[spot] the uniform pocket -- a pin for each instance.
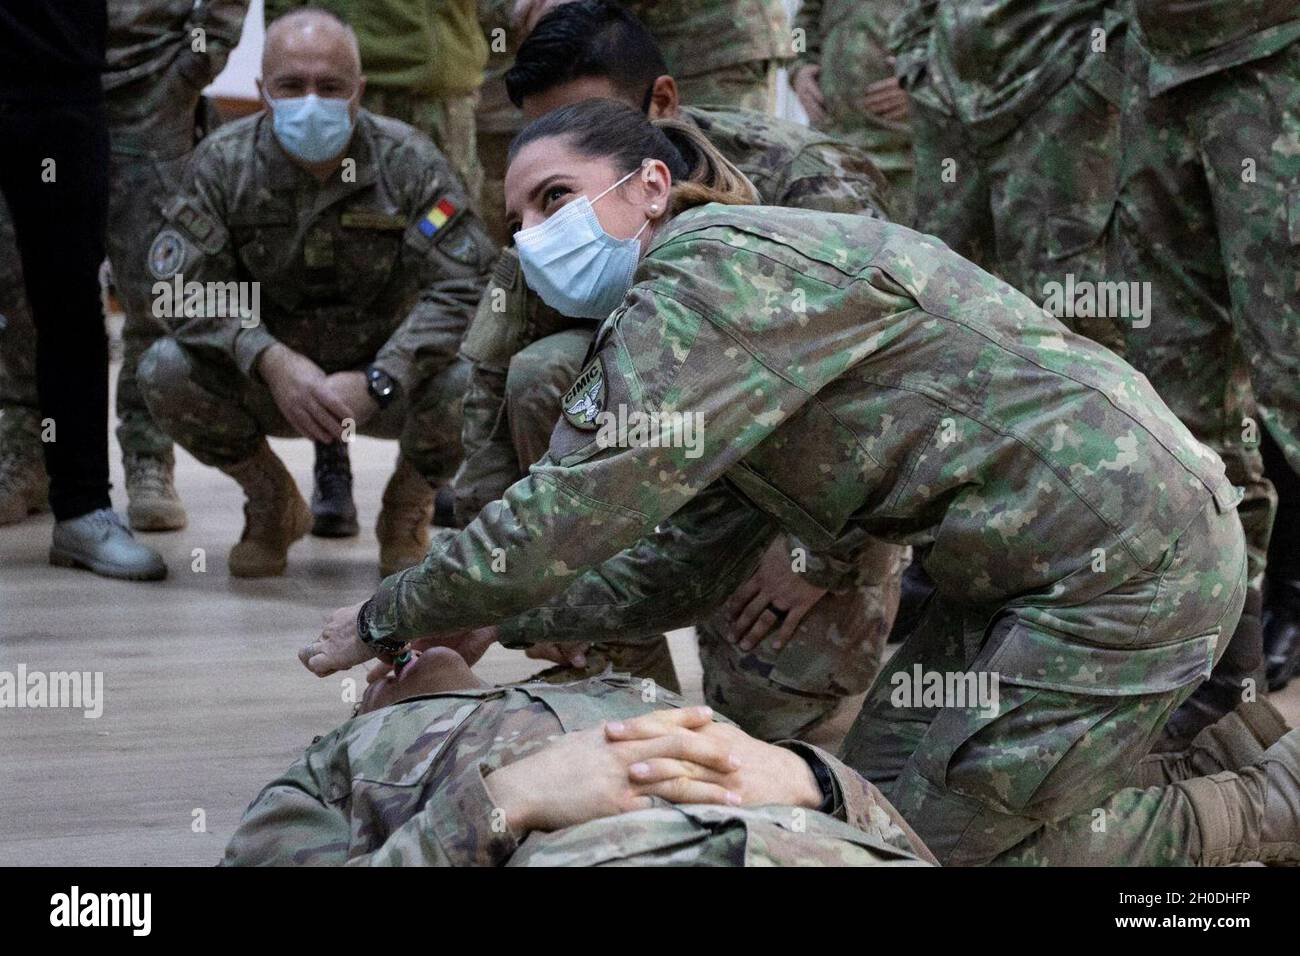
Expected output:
(1072, 720)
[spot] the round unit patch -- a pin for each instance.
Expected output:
(167, 254)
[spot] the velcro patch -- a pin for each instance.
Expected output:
(585, 400)
(368, 219)
(205, 232)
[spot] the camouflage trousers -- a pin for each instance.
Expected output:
(221, 416)
(448, 121)
(1209, 218)
(1040, 772)
(747, 86)
(837, 649)
(1033, 206)
(152, 130)
(405, 785)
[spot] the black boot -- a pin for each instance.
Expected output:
(444, 508)
(331, 499)
(916, 591)
(1282, 632)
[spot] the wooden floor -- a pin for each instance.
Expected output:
(204, 699)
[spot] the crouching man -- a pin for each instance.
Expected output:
(318, 267)
(442, 770)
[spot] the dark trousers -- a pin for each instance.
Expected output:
(54, 176)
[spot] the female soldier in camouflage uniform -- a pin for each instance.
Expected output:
(854, 377)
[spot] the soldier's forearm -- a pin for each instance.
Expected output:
(672, 579)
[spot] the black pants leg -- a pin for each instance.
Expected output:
(54, 176)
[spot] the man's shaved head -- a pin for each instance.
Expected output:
(310, 34)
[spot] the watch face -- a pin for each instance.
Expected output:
(381, 385)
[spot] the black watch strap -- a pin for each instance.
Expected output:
(384, 645)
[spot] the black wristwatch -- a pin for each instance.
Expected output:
(382, 386)
(385, 645)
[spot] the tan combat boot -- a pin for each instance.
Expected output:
(403, 525)
(154, 504)
(24, 486)
(275, 516)
(1235, 741)
(1252, 815)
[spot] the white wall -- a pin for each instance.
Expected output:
(245, 63)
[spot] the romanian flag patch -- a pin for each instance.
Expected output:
(437, 217)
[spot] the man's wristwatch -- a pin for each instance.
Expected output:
(382, 387)
(385, 645)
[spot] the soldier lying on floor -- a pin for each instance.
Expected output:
(439, 769)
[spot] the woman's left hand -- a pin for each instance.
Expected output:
(339, 646)
(772, 602)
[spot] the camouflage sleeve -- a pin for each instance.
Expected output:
(661, 370)
(490, 464)
(860, 804)
(454, 255)
(194, 246)
(808, 28)
(909, 41)
(839, 567)
(459, 825)
(223, 22)
(835, 177)
(669, 579)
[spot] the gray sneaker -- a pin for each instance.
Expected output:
(99, 542)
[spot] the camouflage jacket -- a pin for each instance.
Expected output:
(434, 48)
(849, 40)
(385, 268)
(844, 376)
(993, 64)
(699, 36)
(1188, 41)
(406, 785)
(145, 37)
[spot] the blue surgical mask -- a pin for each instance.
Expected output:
(578, 268)
(312, 128)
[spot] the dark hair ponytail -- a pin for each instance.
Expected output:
(608, 129)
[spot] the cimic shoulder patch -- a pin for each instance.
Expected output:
(585, 399)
